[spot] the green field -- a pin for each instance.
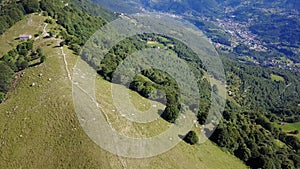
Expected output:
(40, 129)
(289, 127)
(277, 78)
(155, 44)
(31, 25)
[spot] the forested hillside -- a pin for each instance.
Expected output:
(39, 128)
(263, 98)
(259, 98)
(249, 129)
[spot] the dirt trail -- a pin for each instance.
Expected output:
(66, 63)
(44, 34)
(45, 31)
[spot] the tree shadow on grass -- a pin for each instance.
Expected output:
(181, 136)
(162, 115)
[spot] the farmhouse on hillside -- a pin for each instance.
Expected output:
(24, 37)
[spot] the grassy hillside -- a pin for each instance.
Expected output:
(277, 78)
(31, 25)
(291, 127)
(39, 127)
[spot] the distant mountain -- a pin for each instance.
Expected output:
(272, 24)
(214, 6)
(196, 7)
(120, 6)
(206, 7)
(203, 7)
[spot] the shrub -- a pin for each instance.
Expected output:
(43, 59)
(6, 77)
(171, 113)
(2, 96)
(191, 138)
(48, 20)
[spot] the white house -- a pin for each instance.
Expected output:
(25, 37)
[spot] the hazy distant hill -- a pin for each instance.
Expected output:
(274, 24)
(214, 6)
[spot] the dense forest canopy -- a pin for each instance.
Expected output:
(248, 129)
(6, 78)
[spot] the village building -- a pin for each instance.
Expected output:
(24, 37)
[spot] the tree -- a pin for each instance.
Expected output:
(171, 113)
(2, 96)
(191, 138)
(31, 6)
(23, 52)
(39, 51)
(24, 64)
(243, 152)
(43, 59)
(62, 43)
(29, 44)
(215, 89)
(16, 14)
(13, 53)
(6, 77)
(296, 160)
(293, 141)
(48, 20)
(3, 24)
(51, 33)
(76, 48)
(146, 92)
(201, 116)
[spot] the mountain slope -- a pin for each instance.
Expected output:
(235, 24)
(39, 127)
(38, 116)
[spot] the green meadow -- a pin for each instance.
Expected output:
(40, 129)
